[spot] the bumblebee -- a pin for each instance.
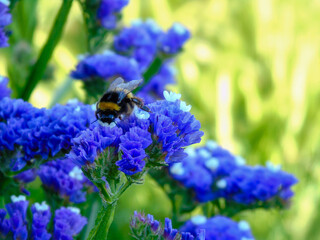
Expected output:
(118, 101)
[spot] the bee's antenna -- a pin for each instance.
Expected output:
(117, 125)
(95, 120)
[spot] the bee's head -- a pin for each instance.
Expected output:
(107, 118)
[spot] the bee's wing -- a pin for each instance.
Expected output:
(130, 86)
(115, 84)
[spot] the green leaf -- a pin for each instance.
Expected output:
(39, 68)
(103, 222)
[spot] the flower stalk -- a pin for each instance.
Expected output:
(39, 68)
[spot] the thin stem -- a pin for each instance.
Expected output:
(150, 72)
(174, 210)
(47, 51)
(122, 189)
(103, 192)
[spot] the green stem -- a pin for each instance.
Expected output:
(174, 210)
(151, 71)
(122, 189)
(103, 222)
(47, 51)
(105, 195)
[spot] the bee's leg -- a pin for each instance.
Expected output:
(96, 113)
(139, 103)
(145, 108)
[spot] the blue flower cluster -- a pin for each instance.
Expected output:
(133, 145)
(64, 178)
(173, 40)
(28, 132)
(143, 138)
(41, 217)
(218, 228)
(145, 227)
(212, 172)
(4, 90)
(105, 66)
(144, 41)
(5, 19)
(108, 12)
(136, 48)
(67, 221)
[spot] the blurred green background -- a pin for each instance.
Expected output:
(251, 72)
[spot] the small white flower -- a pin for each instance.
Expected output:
(111, 125)
(141, 114)
(171, 96)
(198, 219)
(41, 207)
(240, 161)
(74, 209)
(5, 2)
(204, 153)
(273, 167)
(18, 199)
(77, 109)
(221, 184)
(177, 169)
(94, 107)
(190, 151)
(179, 28)
(212, 163)
(212, 145)
(243, 225)
(81, 57)
(136, 22)
(76, 173)
(73, 101)
(1, 77)
(184, 107)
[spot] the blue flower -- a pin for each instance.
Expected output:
(28, 132)
(173, 41)
(145, 227)
(27, 176)
(132, 146)
(212, 172)
(249, 185)
(218, 227)
(139, 41)
(4, 223)
(144, 41)
(17, 108)
(4, 90)
(108, 11)
(17, 211)
(67, 223)
(5, 19)
(158, 137)
(64, 178)
(41, 216)
(91, 142)
(106, 66)
(186, 124)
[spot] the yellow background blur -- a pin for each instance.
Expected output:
(251, 72)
